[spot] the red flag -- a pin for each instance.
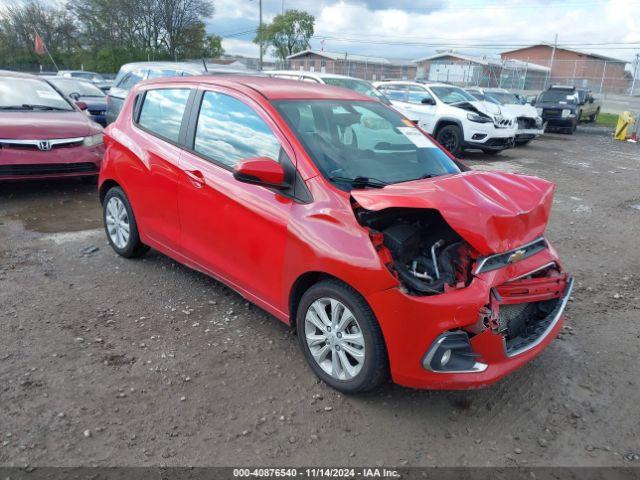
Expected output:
(39, 45)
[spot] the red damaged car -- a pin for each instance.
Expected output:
(42, 134)
(341, 218)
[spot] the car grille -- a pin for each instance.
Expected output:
(526, 122)
(47, 168)
(499, 142)
(552, 112)
(524, 323)
(500, 260)
(501, 122)
(53, 144)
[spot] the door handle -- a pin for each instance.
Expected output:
(195, 177)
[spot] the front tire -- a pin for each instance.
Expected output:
(120, 225)
(450, 137)
(341, 338)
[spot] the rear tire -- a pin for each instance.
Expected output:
(120, 225)
(450, 137)
(328, 313)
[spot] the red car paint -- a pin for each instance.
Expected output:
(261, 243)
(19, 162)
(509, 210)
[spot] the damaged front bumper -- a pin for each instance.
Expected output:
(472, 337)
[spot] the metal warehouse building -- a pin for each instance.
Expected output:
(468, 70)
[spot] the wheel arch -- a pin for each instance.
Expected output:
(303, 283)
(105, 187)
(446, 121)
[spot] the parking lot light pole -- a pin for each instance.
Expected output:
(260, 33)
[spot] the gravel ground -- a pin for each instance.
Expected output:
(107, 361)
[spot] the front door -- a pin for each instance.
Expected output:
(234, 230)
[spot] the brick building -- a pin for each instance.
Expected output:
(359, 66)
(572, 67)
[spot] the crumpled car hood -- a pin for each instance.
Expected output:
(493, 211)
(521, 110)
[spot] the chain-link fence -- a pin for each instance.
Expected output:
(599, 76)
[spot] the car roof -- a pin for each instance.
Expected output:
(409, 82)
(77, 71)
(194, 67)
(12, 74)
(305, 73)
(269, 87)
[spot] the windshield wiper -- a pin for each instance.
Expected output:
(31, 106)
(34, 106)
(361, 182)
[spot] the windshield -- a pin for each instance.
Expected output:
(504, 98)
(363, 140)
(83, 89)
(359, 86)
(451, 95)
(559, 96)
(30, 94)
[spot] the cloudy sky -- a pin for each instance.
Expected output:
(417, 28)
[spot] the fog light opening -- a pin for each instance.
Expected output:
(452, 353)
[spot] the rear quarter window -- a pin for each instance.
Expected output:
(162, 112)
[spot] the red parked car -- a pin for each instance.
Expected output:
(341, 218)
(42, 134)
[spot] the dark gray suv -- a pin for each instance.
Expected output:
(132, 73)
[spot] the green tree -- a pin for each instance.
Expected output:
(213, 46)
(288, 33)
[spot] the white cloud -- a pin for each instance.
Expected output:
(452, 21)
(245, 48)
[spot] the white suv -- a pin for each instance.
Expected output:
(350, 83)
(455, 118)
(530, 124)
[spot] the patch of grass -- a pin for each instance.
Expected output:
(607, 119)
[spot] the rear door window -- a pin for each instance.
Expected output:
(162, 112)
(229, 131)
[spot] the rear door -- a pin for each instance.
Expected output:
(159, 128)
(234, 230)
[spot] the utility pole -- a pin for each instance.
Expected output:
(635, 73)
(260, 35)
(553, 55)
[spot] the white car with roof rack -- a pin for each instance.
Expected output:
(343, 81)
(530, 123)
(454, 117)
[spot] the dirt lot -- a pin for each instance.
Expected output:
(107, 361)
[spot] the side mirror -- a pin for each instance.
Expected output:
(74, 96)
(261, 171)
(428, 101)
(82, 105)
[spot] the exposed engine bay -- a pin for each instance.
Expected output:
(426, 255)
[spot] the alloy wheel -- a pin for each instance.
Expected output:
(117, 220)
(448, 141)
(334, 338)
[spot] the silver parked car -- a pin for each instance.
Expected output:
(132, 73)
